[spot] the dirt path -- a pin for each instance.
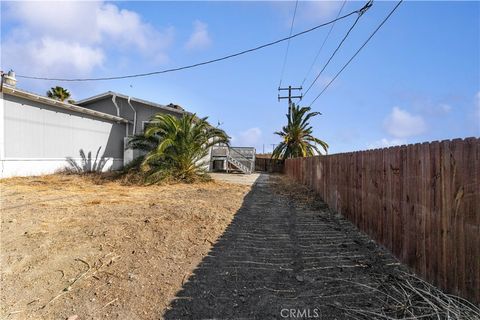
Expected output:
(236, 178)
(279, 259)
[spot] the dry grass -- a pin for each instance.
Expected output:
(401, 295)
(405, 296)
(92, 246)
(298, 193)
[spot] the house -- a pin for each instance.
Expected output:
(137, 111)
(39, 135)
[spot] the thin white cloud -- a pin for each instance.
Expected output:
(445, 108)
(74, 37)
(308, 12)
(126, 28)
(477, 103)
(385, 143)
(319, 11)
(200, 38)
(477, 112)
(47, 54)
(73, 20)
(249, 138)
(322, 81)
(434, 109)
(401, 124)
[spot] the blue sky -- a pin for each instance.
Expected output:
(417, 80)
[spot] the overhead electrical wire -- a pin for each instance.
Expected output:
(288, 44)
(321, 47)
(195, 64)
(357, 52)
(360, 14)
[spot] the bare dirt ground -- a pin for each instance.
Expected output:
(70, 246)
(237, 178)
(73, 247)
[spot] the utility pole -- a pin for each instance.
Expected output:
(289, 97)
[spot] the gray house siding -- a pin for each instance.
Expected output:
(104, 105)
(125, 109)
(38, 139)
(144, 111)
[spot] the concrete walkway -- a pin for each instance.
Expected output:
(278, 260)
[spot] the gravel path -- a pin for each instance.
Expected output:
(281, 259)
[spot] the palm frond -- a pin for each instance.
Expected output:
(58, 93)
(176, 147)
(297, 135)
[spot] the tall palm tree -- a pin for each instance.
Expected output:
(297, 139)
(58, 93)
(176, 148)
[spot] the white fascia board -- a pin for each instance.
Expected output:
(59, 104)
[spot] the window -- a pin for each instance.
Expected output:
(145, 125)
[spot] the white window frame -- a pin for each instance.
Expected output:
(144, 124)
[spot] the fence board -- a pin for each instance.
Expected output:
(269, 165)
(420, 201)
(436, 246)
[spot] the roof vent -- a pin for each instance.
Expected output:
(175, 106)
(10, 78)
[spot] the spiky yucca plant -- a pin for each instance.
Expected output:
(176, 148)
(297, 138)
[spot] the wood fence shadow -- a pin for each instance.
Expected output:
(276, 258)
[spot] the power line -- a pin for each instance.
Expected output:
(360, 13)
(356, 53)
(196, 64)
(288, 44)
(323, 44)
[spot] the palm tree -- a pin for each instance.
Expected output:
(176, 148)
(59, 93)
(297, 139)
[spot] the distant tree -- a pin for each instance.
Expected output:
(59, 93)
(175, 148)
(297, 138)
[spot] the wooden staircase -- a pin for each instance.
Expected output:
(240, 158)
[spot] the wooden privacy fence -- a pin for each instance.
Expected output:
(268, 165)
(420, 201)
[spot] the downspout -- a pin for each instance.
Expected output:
(134, 115)
(114, 100)
(1, 83)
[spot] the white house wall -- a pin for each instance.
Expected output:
(38, 139)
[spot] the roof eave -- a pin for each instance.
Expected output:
(59, 104)
(108, 94)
